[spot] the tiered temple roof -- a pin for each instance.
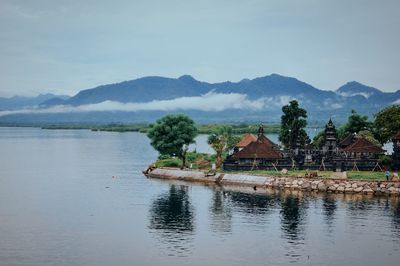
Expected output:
(347, 141)
(330, 130)
(246, 140)
(258, 149)
(261, 147)
(363, 145)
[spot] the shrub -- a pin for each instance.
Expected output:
(171, 162)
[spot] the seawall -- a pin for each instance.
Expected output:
(391, 188)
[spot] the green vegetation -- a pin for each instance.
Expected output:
(293, 123)
(356, 124)
(94, 127)
(222, 141)
(196, 160)
(351, 175)
(290, 173)
(365, 175)
(238, 129)
(172, 134)
(387, 123)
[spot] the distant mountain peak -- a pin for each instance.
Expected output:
(187, 78)
(354, 88)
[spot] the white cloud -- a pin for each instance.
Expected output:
(351, 94)
(210, 101)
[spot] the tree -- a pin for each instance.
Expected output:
(319, 139)
(366, 134)
(387, 123)
(172, 134)
(293, 125)
(355, 124)
(222, 141)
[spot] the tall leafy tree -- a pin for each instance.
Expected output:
(355, 124)
(222, 141)
(172, 134)
(387, 123)
(293, 123)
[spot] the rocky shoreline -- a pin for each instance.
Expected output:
(326, 185)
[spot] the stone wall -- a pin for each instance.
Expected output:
(287, 183)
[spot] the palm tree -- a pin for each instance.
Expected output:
(222, 141)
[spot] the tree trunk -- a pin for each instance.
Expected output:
(183, 161)
(219, 160)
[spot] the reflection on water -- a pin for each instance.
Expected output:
(172, 219)
(329, 207)
(293, 211)
(254, 205)
(59, 205)
(221, 212)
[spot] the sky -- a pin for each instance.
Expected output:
(66, 46)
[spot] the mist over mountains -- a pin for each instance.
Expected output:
(18, 102)
(145, 99)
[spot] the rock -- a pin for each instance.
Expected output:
(331, 188)
(348, 189)
(284, 171)
(321, 186)
(368, 190)
(340, 189)
(358, 189)
(354, 185)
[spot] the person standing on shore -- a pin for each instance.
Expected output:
(387, 174)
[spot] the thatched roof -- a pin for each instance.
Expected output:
(263, 138)
(363, 145)
(261, 148)
(348, 140)
(246, 140)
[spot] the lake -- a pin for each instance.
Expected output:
(76, 197)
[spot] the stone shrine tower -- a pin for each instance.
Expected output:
(330, 146)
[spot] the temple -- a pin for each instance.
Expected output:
(352, 153)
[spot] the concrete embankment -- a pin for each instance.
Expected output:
(288, 183)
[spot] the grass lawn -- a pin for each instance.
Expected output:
(351, 175)
(203, 161)
(367, 175)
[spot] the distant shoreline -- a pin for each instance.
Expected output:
(144, 127)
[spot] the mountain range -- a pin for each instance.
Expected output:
(147, 98)
(18, 102)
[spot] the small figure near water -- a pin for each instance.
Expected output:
(387, 174)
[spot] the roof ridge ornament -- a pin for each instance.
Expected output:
(260, 130)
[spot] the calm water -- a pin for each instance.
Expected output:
(59, 205)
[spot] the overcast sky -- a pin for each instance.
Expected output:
(65, 46)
